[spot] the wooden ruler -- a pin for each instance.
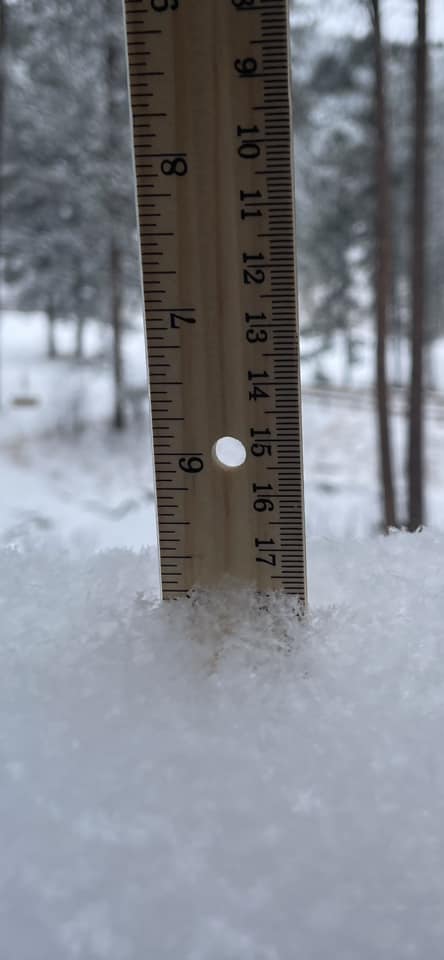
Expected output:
(209, 86)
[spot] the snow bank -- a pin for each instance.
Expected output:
(215, 780)
(63, 395)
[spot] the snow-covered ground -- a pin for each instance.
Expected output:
(210, 780)
(41, 395)
(216, 780)
(64, 473)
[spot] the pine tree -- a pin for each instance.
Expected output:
(69, 191)
(340, 181)
(44, 225)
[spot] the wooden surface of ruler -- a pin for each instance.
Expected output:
(209, 82)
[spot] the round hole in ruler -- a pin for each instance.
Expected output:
(229, 453)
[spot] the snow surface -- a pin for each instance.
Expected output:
(64, 473)
(67, 395)
(216, 780)
(62, 470)
(213, 780)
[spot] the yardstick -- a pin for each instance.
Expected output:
(209, 84)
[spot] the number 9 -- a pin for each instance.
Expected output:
(191, 464)
(161, 5)
(246, 67)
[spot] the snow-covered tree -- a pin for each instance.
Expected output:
(70, 194)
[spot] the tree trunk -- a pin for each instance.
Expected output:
(119, 420)
(382, 276)
(79, 308)
(348, 358)
(51, 348)
(80, 330)
(415, 466)
(115, 277)
(3, 26)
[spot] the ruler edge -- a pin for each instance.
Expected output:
(150, 443)
(303, 600)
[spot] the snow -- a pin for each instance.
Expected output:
(398, 20)
(63, 471)
(215, 779)
(64, 395)
(218, 780)
(94, 489)
(65, 474)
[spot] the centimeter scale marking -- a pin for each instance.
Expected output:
(209, 83)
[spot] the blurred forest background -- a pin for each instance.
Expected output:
(369, 136)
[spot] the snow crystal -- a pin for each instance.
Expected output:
(216, 779)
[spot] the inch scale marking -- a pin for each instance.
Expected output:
(209, 83)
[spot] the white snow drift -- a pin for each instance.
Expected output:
(215, 780)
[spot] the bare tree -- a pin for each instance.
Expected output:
(383, 268)
(415, 465)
